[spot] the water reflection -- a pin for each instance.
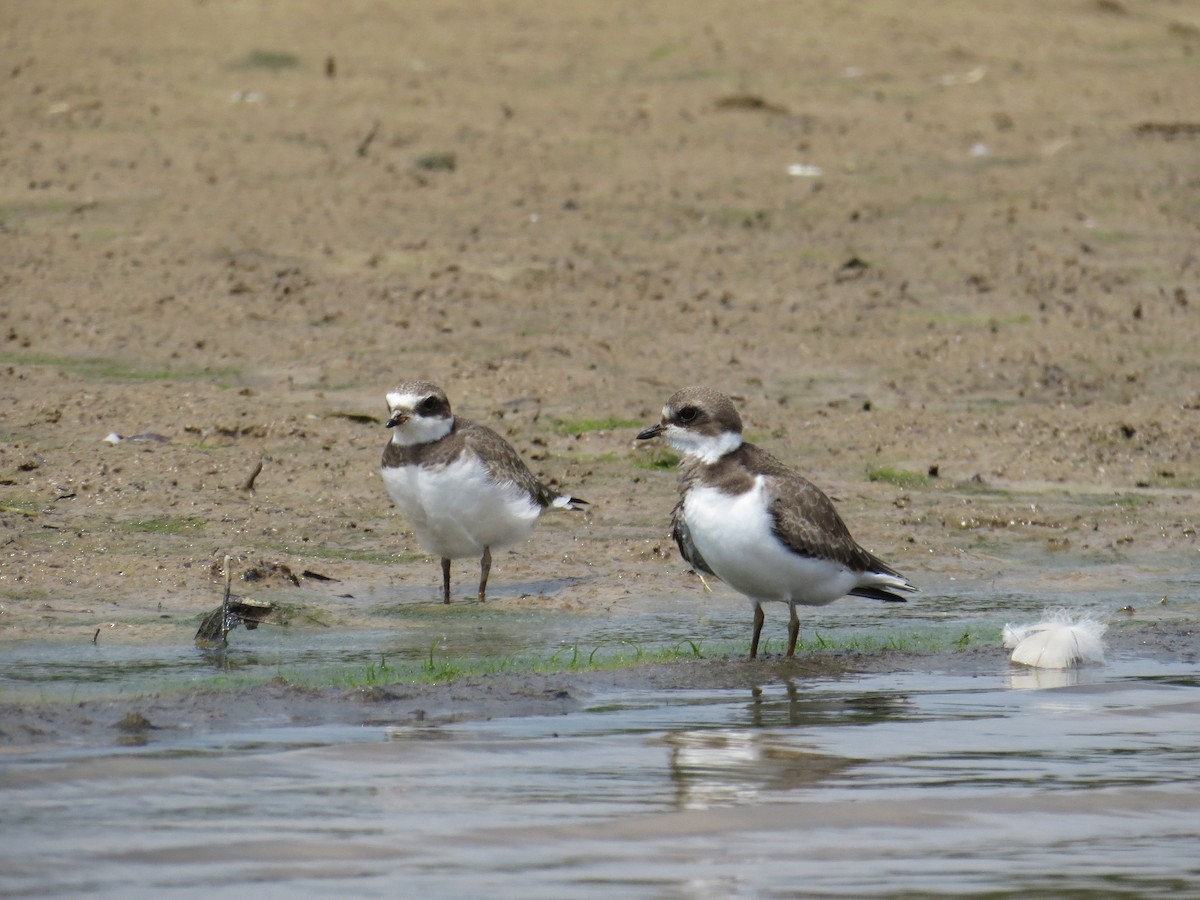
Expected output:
(801, 707)
(720, 767)
(1031, 679)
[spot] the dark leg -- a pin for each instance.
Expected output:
(793, 630)
(445, 580)
(485, 566)
(758, 623)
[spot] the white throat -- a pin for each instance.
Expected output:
(421, 431)
(708, 448)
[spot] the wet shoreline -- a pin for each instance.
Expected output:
(167, 717)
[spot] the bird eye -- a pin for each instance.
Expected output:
(688, 414)
(429, 404)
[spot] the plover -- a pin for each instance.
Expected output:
(462, 487)
(760, 527)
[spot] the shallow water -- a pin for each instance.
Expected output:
(1000, 780)
(955, 773)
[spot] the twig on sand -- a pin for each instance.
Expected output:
(365, 143)
(213, 633)
(248, 484)
(225, 599)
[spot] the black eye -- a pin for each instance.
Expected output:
(688, 414)
(429, 404)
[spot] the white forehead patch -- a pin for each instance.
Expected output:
(403, 401)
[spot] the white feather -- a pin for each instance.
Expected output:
(1059, 642)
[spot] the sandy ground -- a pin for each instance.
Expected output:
(945, 256)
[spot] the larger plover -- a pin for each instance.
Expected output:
(757, 525)
(462, 487)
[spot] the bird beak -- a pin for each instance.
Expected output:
(652, 432)
(397, 419)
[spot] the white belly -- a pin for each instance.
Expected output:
(733, 534)
(457, 511)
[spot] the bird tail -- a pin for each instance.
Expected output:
(878, 594)
(879, 583)
(575, 504)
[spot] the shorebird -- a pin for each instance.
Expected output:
(756, 524)
(462, 487)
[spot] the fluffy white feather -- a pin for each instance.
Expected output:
(1062, 640)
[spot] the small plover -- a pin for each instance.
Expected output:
(462, 487)
(760, 527)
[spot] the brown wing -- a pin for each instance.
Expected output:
(501, 460)
(806, 521)
(803, 517)
(683, 539)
